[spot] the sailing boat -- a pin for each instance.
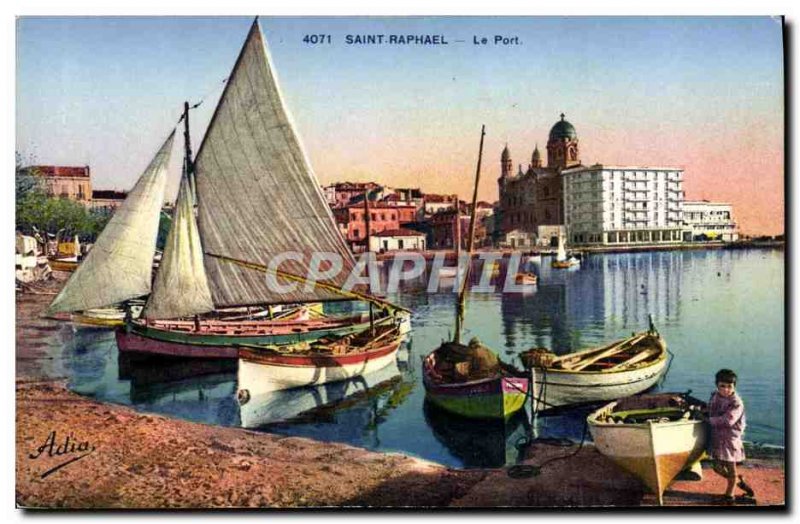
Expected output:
(561, 261)
(256, 197)
(469, 380)
(119, 266)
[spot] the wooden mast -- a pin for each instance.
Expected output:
(470, 239)
(366, 251)
(187, 161)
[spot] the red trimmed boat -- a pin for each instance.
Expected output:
(265, 369)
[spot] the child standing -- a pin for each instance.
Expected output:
(727, 419)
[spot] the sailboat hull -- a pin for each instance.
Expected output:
(261, 372)
(141, 338)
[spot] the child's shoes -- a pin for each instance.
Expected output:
(744, 486)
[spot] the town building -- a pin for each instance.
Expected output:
(533, 198)
(69, 182)
(107, 199)
(706, 220)
(443, 230)
(436, 203)
(623, 205)
(397, 240)
(352, 222)
(340, 194)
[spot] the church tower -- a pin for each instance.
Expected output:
(562, 146)
(505, 163)
(536, 160)
(505, 169)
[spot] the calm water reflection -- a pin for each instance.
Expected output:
(715, 309)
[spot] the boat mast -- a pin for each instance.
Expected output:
(470, 239)
(188, 168)
(366, 252)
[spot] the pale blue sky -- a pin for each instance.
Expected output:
(105, 91)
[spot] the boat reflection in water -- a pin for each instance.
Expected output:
(362, 401)
(478, 443)
(201, 390)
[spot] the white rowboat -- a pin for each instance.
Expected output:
(655, 437)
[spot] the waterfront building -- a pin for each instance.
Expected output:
(608, 205)
(710, 220)
(353, 225)
(397, 240)
(532, 198)
(69, 182)
(107, 199)
(443, 230)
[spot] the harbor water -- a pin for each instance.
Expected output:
(715, 308)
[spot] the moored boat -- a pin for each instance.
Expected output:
(291, 404)
(525, 279)
(66, 264)
(619, 369)
(214, 258)
(272, 368)
(219, 338)
(654, 437)
(470, 380)
(496, 392)
(562, 261)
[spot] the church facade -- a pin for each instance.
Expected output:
(531, 200)
(587, 205)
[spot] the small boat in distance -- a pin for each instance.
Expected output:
(655, 437)
(561, 261)
(526, 279)
(619, 369)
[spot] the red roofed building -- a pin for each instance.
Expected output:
(64, 181)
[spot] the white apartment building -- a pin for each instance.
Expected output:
(710, 220)
(617, 205)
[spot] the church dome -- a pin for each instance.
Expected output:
(563, 129)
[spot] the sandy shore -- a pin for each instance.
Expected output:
(126, 459)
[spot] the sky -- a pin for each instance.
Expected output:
(705, 94)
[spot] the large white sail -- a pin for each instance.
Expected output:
(257, 195)
(120, 264)
(181, 287)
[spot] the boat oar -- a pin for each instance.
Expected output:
(644, 355)
(581, 354)
(615, 349)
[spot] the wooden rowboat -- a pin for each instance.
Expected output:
(263, 369)
(620, 369)
(655, 437)
(497, 396)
